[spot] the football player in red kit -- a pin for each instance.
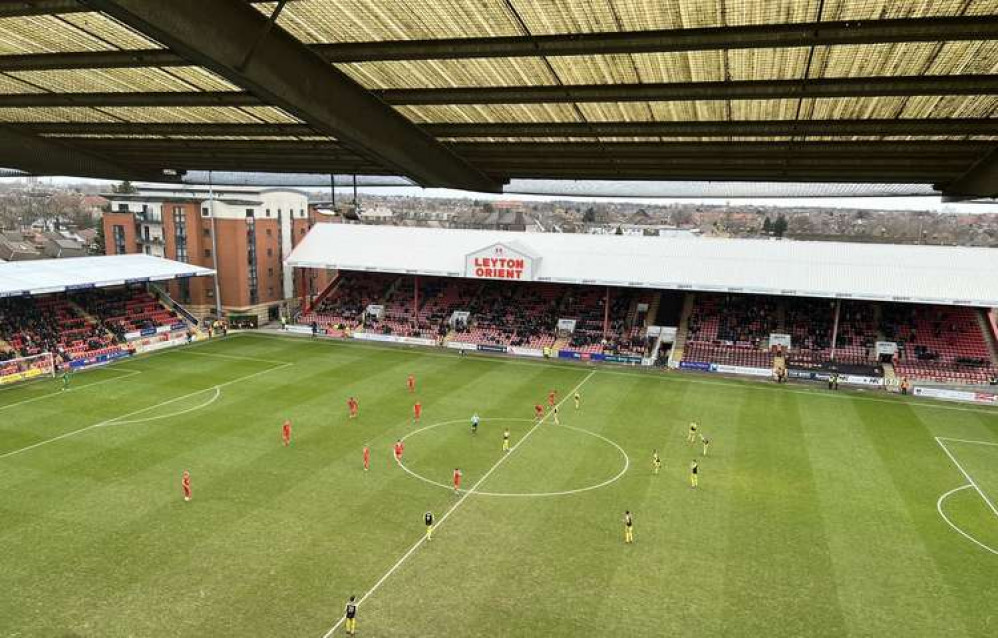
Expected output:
(367, 458)
(399, 449)
(286, 432)
(417, 411)
(353, 406)
(411, 383)
(552, 395)
(538, 411)
(185, 483)
(457, 480)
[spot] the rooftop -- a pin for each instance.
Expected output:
(922, 274)
(45, 276)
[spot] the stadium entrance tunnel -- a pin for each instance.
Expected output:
(557, 460)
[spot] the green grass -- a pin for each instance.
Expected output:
(816, 513)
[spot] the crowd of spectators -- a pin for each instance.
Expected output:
(938, 342)
(499, 313)
(734, 320)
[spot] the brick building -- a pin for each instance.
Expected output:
(256, 230)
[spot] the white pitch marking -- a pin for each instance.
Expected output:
(234, 357)
(967, 476)
(745, 385)
(131, 373)
(159, 417)
(454, 507)
(613, 479)
(947, 438)
(939, 508)
(139, 411)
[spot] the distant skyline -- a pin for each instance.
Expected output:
(929, 204)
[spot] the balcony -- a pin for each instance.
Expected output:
(149, 217)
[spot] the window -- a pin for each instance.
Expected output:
(118, 231)
(302, 231)
(205, 212)
(268, 213)
(249, 212)
(207, 253)
(270, 272)
(270, 252)
(207, 232)
(180, 232)
(254, 291)
(301, 212)
(270, 291)
(269, 232)
(122, 208)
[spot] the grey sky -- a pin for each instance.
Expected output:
(871, 203)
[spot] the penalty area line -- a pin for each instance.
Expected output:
(124, 417)
(966, 475)
(82, 386)
(456, 505)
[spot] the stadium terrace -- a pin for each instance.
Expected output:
(945, 275)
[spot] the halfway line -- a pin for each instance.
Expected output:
(454, 507)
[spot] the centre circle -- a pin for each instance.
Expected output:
(625, 466)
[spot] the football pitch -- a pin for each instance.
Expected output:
(817, 513)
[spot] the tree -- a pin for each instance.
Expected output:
(99, 240)
(589, 216)
(124, 188)
(620, 231)
(780, 226)
(767, 227)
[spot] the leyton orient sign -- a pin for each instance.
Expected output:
(500, 261)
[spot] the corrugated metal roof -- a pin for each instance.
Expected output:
(925, 274)
(327, 23)
(56, 275)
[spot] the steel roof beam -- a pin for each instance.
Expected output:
(742, 128)
(937, 29)
(763, 36)
(773, 128)
(163, 128)
(727, 175)
(980, 180)
(283, 72)
(671, 92)
(123, 98)
(23, 8)
(568, 150)
(43, 156)
(930, 149)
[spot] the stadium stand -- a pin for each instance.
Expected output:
(33, 325)
(731, 330)
(524, 315)
(84, 324)
(126, 310)
(939, 343)
(945, 344)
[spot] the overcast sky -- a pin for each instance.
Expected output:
(872, 203)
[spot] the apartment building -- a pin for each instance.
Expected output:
(255, 230)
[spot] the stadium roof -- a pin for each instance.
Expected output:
(44, 276)
(473, 93)
(917, 274)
